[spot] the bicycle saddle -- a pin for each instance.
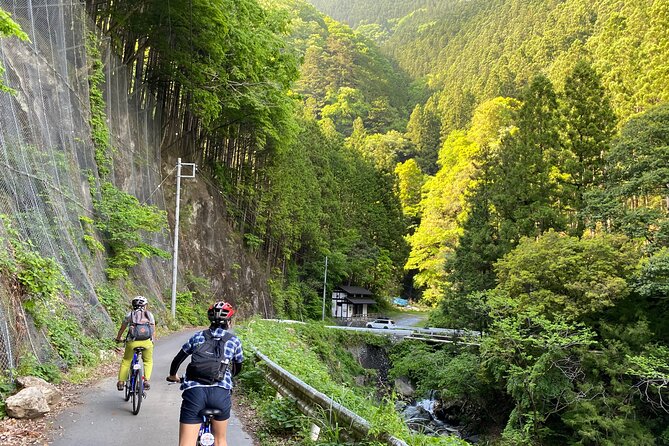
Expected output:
(209, 412)
(138, 349)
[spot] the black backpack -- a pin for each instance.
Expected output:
(208, 363)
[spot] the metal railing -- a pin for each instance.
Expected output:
(317, 405)
(438, 335)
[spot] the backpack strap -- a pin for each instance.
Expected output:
(208, 336)
(222, 341)
(226, 337)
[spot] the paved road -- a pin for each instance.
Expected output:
(410, 320)
(105, 419)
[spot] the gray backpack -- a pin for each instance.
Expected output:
(140, 326)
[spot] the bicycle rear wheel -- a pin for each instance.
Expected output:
(137, 392)
(127, 389)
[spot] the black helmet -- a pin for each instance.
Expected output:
(139, 302)
(220, 312)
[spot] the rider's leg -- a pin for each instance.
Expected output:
(188, 434)
(192, 402)
(147, 357)
(125, 363)
(220, 429)
(219, 398)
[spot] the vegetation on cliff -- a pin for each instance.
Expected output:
(542, 218)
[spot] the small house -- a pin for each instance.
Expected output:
(351, 302)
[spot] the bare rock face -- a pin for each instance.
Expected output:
(404, 387)
(51, 392)
(28, 403)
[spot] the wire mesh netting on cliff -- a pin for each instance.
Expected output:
(47, 157)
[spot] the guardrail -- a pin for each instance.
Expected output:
(449, 332)
(313, 403)
(441, 339)
(439, 335)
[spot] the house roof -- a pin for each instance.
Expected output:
(355, 290)
(360, 300)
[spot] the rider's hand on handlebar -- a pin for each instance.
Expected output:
(173, 378)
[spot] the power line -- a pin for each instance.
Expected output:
(161, 183)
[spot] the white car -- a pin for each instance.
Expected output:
(381, 323)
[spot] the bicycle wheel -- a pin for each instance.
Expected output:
(129, 382)
(137, 392)
(127, 389)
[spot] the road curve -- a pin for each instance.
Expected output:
(105, 419)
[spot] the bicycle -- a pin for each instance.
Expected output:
(134, 385)
(204, 436)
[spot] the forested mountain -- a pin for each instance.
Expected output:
(518, 148)
(543, 216)
(344, 76)
(383, 12)
(489, 48)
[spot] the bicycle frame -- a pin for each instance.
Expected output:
(134, 385)
(134, 365)
(205, 437)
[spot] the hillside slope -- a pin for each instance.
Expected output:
(56, 297)
(491, 48)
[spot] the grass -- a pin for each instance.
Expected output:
(317, 355)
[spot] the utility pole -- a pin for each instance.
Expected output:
(325, 282)
(175, 254)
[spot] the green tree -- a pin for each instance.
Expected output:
(441, 206)
(524, 176)
(344, 107)
(567, 276)
(423, 129)
(456, 108)
(470, 266)
(636, 200)
(385, 150)
(410, 180)
(550, 292)
(589, 124)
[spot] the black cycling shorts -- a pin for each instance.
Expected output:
(197, 398)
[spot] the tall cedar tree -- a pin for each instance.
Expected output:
(423, 130)
(471, 266)
(524, 188)
(589, 123)
(637, 194)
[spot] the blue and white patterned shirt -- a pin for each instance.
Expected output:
(231, 350)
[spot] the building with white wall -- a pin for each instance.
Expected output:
(351, 302)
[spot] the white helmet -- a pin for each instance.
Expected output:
(139, 302)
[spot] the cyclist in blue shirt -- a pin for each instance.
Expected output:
(216, 357)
